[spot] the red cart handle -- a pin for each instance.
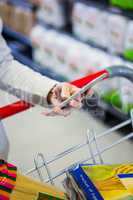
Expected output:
(20, 106)
(87, 79)
(13, 109)
(110, 72)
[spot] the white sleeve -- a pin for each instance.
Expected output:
(18, 76)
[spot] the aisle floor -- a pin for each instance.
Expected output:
(30, 132)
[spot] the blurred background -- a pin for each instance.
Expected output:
(65, 40)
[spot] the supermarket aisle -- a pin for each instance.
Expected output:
(53, 135)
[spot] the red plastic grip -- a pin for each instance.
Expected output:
(20, 106)
(86, 79)
(13, 109)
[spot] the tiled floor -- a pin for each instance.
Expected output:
(30, 132)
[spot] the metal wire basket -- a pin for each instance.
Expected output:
(95, 152)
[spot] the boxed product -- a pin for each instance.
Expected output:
(87, 22)
(78, 21)
(117, 26)
(48, 46)
(52, 12)
(128, 4)
(62, 46)
(101, 29)
(23, 20)
(36, 35)
(6, 13)
(128, 48)
(44, 43)
(101, 182)
(18, 17)
(91, 21)
(127, 181)
(76, 59)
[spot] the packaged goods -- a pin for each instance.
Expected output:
(128, 4)
(62, 46)
(117, 26)
(26, 188)
(52, 12)
(101, 29)
(86, 21)
(91, 21)
(102, 182)
(14, 186)
(127, 181)
(7, 13)
(23, 20)
(17, 17)
(128, 49)
(74, 59)
(47, 47)
(78, 21)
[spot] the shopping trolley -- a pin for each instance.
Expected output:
(92, 139)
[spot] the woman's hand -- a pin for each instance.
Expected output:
(60, 93)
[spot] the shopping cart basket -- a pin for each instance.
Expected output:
(92, 138)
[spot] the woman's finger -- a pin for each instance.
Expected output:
(75, 104)
(73, 89)
(57, 112)
(63, 112)
(60, 93)
(65, 92)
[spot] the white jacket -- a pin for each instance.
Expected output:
(16, 75)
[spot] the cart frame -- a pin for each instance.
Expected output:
(92, 138)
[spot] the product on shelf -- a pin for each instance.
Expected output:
(25, 20)
(53, 12)
(78, 21)
(85, 21)
(128, 48)
(90, 182)
(6, 13)
(73, 59)
(91, 19)
(18, 17)
(64, 54)
(102, 28)
(48, 43)
(128, 4)
(62, 45)
(117, 26)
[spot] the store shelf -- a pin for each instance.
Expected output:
(42, 70)
(17, 36)
(16, 46)
(24, 3)
(108, 108)
(106, 6)
(23, 40)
